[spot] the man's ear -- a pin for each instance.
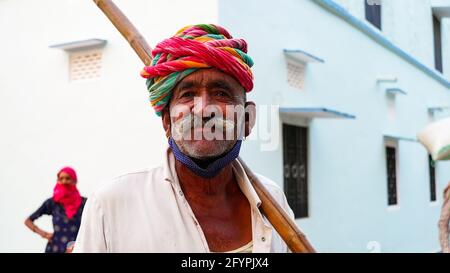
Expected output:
(165, 118)
(250, 117)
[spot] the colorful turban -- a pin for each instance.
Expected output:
(194, 47)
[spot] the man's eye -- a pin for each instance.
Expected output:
(187, 94)
(222, 93)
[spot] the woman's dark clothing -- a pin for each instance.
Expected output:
(64, 229)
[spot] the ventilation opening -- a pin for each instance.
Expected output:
(85, 65)
(296, 74)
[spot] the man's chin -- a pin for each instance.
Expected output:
(205, 149)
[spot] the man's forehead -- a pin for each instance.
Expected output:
(207, 76)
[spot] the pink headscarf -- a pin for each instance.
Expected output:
(68, 194)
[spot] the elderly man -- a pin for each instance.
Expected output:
(200, 199)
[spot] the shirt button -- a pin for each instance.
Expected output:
(263, 239)
(181, 193)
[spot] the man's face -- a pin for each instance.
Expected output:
(205, 118)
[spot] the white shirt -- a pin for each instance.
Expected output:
(146, 211)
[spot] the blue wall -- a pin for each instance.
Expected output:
(347, 169)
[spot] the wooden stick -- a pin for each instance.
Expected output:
(126, 28)
(276, 215)
(279, 219)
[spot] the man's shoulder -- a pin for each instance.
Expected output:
(138, 176)
(268, 183)
(271, 186)
(129, 183)
(277, 193)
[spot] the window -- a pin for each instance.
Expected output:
(373, 12)
(437, 44)
(295, 159)
(432, 168)
(391, 160)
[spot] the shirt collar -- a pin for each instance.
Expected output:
(241, 177)
(244, 183)
(169, 166)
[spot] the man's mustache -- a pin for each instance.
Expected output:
(217, 125)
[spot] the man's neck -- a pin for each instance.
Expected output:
(220, 207)
(195, 186)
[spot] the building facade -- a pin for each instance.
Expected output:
(354, 83)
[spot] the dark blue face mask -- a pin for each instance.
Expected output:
(213, 168)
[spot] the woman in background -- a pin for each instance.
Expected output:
(65, 207)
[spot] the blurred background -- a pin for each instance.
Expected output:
(354, 82)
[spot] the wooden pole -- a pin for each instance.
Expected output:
(126, 28)
(280, 220)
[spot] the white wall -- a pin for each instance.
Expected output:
(102, 128)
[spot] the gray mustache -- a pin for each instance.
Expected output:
(184, 126)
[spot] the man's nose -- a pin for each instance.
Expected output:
(201, 103)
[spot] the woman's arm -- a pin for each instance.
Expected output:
(36, 229)
(45, 208)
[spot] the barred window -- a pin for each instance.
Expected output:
(373, 12)
(295, 160)
(432, 169)
(437, 44)
(391, 160)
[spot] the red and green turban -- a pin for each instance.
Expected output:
(192, 48)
